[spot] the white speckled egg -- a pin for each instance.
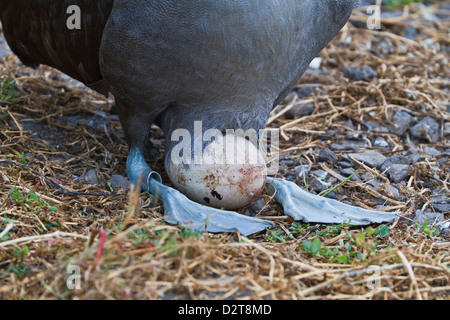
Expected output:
(232, 174)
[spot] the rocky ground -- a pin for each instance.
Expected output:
(368, 124)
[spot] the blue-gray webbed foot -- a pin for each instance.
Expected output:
(179, 210)
(302, 205)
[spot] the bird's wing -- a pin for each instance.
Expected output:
(37, 33)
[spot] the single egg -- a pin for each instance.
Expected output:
(232, 173)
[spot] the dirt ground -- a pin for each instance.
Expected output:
(62, 153)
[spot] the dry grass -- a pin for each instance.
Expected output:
(125, 251)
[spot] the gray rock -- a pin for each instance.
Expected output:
(300, 110)
(402, 121)
(120, 182)
(321, 174)
(421, 216)
(432, 151)
(410, 32)
(392, 191)
(381, 142)
(91, 178)
(284, 164)
(441, 204)
(367, 176)
(301, 171)
(384, 45)
(317, 185)
(304, 92)
(317, 182)
(380, 129)
(395, 159)
(413, 155)
(328, 135)
(447, 127)
(371, 124)
(443, 161)
(375, 183)
(346, 146)
(327, 156)
(371, 158)
(347, 171)
(345, 164)
(359, 73)
(427, 129)
(257, 205)
(399, 172)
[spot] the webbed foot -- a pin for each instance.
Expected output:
(302, 205)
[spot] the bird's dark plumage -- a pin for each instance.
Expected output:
(36, 32)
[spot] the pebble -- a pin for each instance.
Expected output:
(321, 174)
(91, 178)
(257, 205)
(421, 216)
(120, 182)
(347, 171)
(375, 183)
(300, 110)
(359, 73)
(301, 171)
(317, 185)
(384, 46)
(395, 159)
(441, 204)
(392, 191)
(402, 121)
(345, 164)
(304, 92)
(399, 172)
(327, 156)
(328, 135)
(427, 129)
(381, 142)
(346, 146)
(316, 63)
(317, 182)
(371, 158)
(432, 151)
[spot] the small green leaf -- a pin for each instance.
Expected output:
(22, 158)
(306, 245)
(341, 259)
(316, 245)
(384, 230)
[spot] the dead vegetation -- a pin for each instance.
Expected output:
(52, 221)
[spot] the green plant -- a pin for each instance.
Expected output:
(360, 246)
(299, 229)
(29, 200)
(427, 229)
(164, 240)
(7, 92)
(276, 236)
(20, 253)
(20, 270)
